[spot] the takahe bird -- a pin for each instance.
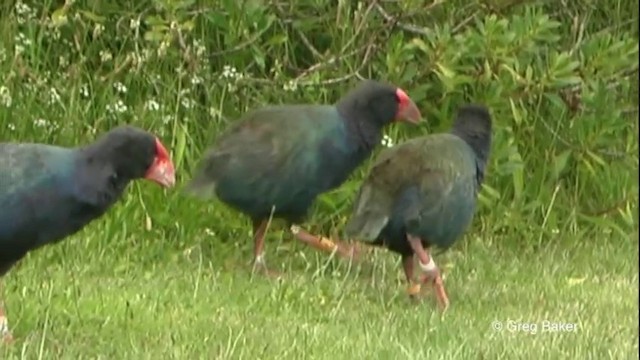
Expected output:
(422, 193)
(48, 193)
(276, 160)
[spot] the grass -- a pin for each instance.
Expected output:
(165, 277)
(158, 300)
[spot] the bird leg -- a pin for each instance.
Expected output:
(322, 243)
(259, 263)
(5, 332)
(431, 271)
(414, 287)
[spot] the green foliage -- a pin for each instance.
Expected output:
(561, 94)
(561, 79)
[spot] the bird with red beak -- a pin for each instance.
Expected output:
(276, 160)
(48, 193)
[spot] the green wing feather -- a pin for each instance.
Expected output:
(430, 164)
(271, 152)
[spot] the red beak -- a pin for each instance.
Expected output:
(161, 170)
(407, 109)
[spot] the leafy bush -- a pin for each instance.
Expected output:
(561, 82)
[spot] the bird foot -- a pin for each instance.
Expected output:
(350, 252)
(414, 291)
(438, 286)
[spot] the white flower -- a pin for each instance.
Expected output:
(230, 72)
(21, 43)
(24, 12)
(118, 107)
(18, 49)
(105, 56)
(84, 90)
(290, 86)
(185, 100)
(40, 123)
(5, 96)
(162, 50)
(134, 24)
(151, 105)
(200, 49)
(97, 30)
(187, 103)
(387, 141)
(23, 39)
(54, 96)
(120, 87)
(11, 127)
(22, 8)
(196, 80)
(166, 119)
(215, 113)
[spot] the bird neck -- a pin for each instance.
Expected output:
(480, 145)
(97, 180)
(363, 132)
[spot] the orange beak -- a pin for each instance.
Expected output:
(161, 170)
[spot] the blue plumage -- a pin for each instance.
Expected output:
(48, 193)
(262, 170)
(39, 201)
(276, 160)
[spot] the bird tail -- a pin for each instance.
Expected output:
(203, 183)
(200, 186)
(370, 215)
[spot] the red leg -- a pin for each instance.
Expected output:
(5, 332)
(414, 287)
(259, 263)
(430, 269)
(323, 243)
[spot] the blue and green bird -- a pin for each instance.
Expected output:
(423, 192)
(48, 192)
(276, 160)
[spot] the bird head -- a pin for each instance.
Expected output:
(132, 153)
(161, 170)
(379, 103)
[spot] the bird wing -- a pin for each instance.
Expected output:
(23, 165)
(27, 177)
(414, 178)
(270, 148)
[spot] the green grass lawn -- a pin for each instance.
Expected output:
(167, 277)
(138, 296)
